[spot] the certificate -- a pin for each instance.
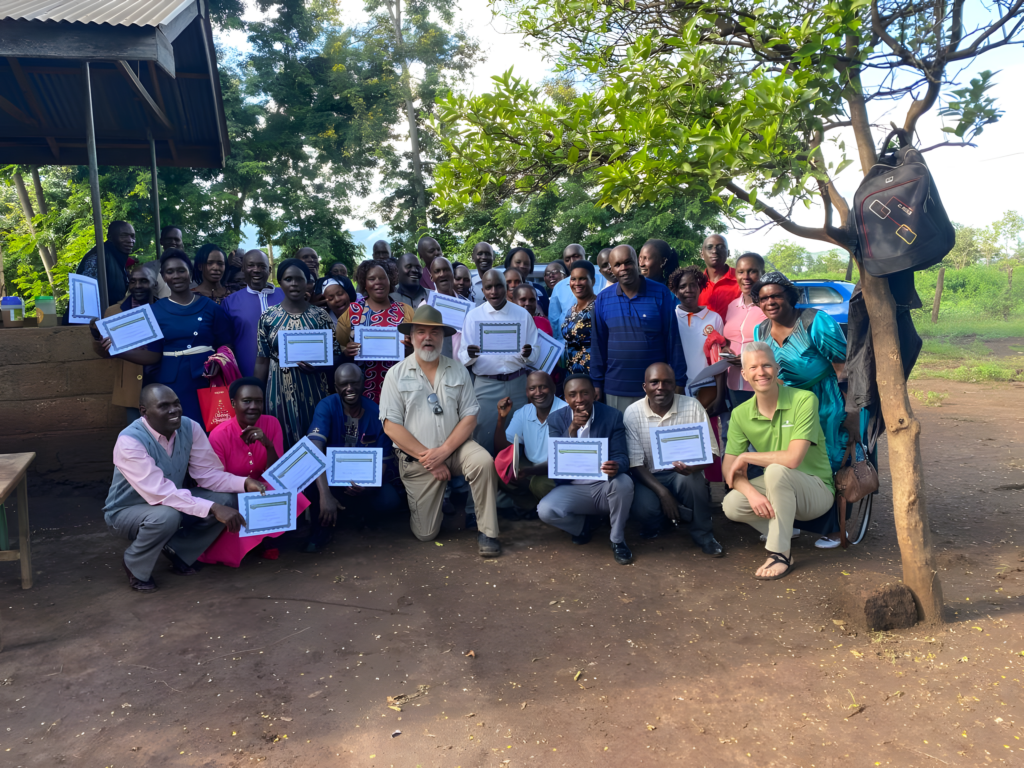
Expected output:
(355, 466)
(688, 443)
(272, 512)
(313, 347)
(130, 330)
(300, 466)
(83, 299)
(378, 343)
(549, 351)
(577, 458)
(499, 338)
(453, 309)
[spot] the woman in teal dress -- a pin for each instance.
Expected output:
(293, 393)
(808, 345)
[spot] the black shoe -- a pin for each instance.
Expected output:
(584, 537)
(178, 565)
(622, 554)
(650, 534)
(488, 547)
(136, 583)
(712, 548)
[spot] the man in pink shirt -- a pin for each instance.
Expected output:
(147, 502)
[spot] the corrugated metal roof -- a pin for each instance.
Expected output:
(117, 13)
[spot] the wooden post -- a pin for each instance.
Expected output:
(154, 192)
(94, 189)
(938, 295)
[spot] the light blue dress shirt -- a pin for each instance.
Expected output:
(532, 434)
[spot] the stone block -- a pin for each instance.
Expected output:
(67, 343)
(875, 603)
(72, 414)
(57, 379)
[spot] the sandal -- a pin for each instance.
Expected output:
(778, 557)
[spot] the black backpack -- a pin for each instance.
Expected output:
(898, 221)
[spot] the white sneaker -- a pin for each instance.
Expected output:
(826, 543)
(796, 532)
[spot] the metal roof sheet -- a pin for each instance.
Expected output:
(118, 13)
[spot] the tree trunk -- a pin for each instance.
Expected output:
(913, 530)
(43, 208)
(905, 467)
(938, 295)
(26, 209)
(419, 185)
(3, 282)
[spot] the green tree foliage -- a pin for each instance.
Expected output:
(729, 101)
(788, 257)
(569, 212)
(430, 57)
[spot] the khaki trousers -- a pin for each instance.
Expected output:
(794, 495)
(426, 494)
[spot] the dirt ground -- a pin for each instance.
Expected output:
(677, 659)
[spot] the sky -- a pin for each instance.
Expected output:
(976, 184)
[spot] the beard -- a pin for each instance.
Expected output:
(428, 355)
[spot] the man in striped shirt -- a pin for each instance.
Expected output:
(634, 326)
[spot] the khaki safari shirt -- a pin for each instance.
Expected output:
(403, 399)
(796, 418)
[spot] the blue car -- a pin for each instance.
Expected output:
(831, 296)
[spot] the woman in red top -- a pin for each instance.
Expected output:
(246, 445)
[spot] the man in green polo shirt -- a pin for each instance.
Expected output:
(782, 425)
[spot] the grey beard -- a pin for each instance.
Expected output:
(426, 356)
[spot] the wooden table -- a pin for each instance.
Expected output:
(13, 470)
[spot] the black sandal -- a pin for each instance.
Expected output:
(778, 557)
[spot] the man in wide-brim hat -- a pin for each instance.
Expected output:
(429, 411)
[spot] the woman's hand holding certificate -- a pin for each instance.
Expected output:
(314, 347)
(378, 343)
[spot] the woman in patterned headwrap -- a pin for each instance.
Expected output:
(376, 280)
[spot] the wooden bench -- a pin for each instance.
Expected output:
(13, 471)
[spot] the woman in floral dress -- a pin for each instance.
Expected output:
(376, 280)
(577, 324)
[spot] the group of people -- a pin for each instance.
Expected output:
(647, 344)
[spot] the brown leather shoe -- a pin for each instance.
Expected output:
(136, 583)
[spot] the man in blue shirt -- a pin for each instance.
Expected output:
(347, 419)
(562, 299)
(634, 326)
(530, 423)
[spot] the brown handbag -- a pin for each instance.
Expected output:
(853, 483)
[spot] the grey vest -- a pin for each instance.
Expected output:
(174, 467)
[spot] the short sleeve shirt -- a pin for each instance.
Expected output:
(532, 434)
(403, 399)
(795, 418)
(639, 418)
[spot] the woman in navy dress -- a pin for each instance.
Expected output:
(193, 327)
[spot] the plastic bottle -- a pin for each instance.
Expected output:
(13, 310)
(46, 312)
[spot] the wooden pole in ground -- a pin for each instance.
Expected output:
(938, 295)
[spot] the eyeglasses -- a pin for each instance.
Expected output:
(435, 406)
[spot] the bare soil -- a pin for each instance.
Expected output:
(677, 659)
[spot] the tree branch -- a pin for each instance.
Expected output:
(811, 233)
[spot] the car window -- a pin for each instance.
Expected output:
(822, 294)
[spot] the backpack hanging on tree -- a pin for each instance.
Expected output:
(898, 221)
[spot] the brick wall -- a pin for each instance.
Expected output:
(55, 400)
